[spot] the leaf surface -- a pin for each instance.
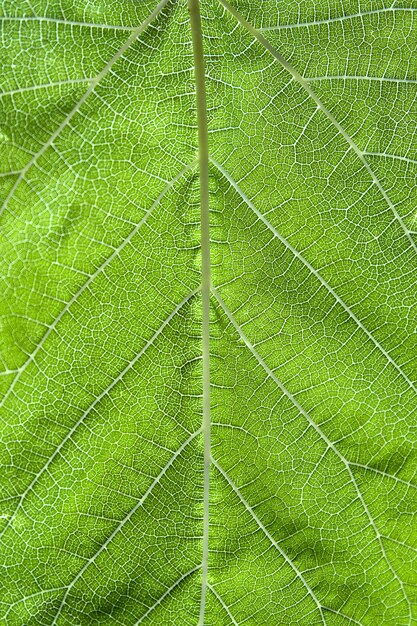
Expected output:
(208, 313)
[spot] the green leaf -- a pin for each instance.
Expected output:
(208, 313)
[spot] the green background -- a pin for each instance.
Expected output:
(313, 327)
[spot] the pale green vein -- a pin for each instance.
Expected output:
(8, 372)
(385, 474)
(350, 619)
(369, 468)
(93, 276)
(314, 272)
(203, 158)
(379, 79)
(124, 521)
(399, 157)
(222, 602)
(96, 401)
(167, 593)
(407, 546)
(10, 173)
(96, 80)
(319, 431)
(304, 83)
(60, 83)
(51, 20)
(270, 537)
(340, 18)
(43, 592)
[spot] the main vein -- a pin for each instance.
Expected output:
(203, 157)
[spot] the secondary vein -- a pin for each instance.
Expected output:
(320, 105)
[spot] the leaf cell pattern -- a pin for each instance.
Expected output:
(208, 313)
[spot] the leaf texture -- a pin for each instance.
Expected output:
(208, 313)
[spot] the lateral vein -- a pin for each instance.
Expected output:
(94, 82)
(315, 273)
(320, 432)
(91, 279)
(96, 401)
(271, 539)
(305, 85)
(124, 521)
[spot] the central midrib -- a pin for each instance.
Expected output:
(203, 157)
